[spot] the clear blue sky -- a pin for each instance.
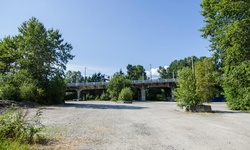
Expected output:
(107, 35)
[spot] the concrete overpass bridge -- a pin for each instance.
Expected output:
(140, 84)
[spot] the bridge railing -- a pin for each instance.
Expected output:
(153, 81)
(87, 84)
(133, 82)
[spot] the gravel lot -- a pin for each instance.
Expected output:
(92, 125)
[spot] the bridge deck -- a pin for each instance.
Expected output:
(134, 82)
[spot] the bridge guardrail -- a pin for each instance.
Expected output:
(133, 82)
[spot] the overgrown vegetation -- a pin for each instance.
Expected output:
(126, 94)
(17, 131)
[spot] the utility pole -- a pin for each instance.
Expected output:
(85, 74)
(193, 69)
(193, 64)
(150, 73)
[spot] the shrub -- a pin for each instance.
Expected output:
(97, 97)
(15, 127)
(27, 91)
(126, 94)
(186, 95)
(116, 84)
(105, 96)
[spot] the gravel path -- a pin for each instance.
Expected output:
(95, 125)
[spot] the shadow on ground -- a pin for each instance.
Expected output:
(229, 112)
(98, 106)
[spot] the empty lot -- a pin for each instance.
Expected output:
(144, 126)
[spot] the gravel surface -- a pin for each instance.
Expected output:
(97, 125)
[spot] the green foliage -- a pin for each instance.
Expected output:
(15, 127)
(90, 96)
(27, 91)
(7, 92)
(136, 72)
(116, 84)
(175, 66)
(32, 62)
(97, 97)
(73, 77)
(227, 28)
(157, 94)
(104, 96)
(163, 72)
(186, 91)
(13, 145)
(126, 94)
(206, 80)
(236, 87)
(70, 95)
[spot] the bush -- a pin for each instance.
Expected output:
(16, 128)
(126, 94)
(186, 95)
(105, 96)
(27, 91)
(97, 97)
(90, 97)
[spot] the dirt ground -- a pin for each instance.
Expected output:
(98, 125)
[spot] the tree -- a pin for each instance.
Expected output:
(207, 79)
(119, 72)
(116, 84)
(73, 77)
(228, 28)
(163, 72)
(186, 92)
(96, 77)
(177, 65)
(136, 72)
(33, 61)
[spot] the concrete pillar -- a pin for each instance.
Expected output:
(78, 94)
(143, 94)
(172, 94)
(165, 94)
(139, 95)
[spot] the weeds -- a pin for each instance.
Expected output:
(17, 130)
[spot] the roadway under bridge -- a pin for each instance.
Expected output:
(140, 84)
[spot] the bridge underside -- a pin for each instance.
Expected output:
(142, 86)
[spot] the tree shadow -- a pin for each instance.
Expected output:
(101, 106)
(229, 112)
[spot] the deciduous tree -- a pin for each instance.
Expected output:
(116, 84)
(34, 61)
(136, 72)
(227, 26)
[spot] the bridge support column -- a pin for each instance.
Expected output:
(143, 94)
(78, 94)
(172, 94)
